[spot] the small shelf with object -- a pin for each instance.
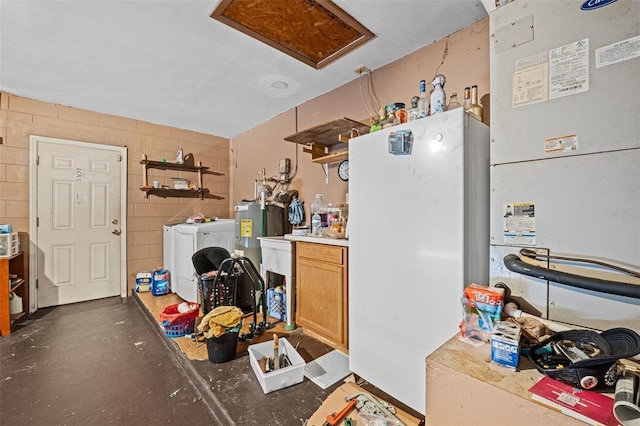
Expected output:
(190, 192)
(321, 140)
(14, 295)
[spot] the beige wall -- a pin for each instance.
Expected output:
(21, 117)
(466, 63)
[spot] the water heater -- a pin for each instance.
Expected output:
(252, 222)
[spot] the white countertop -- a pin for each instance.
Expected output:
(319, 240)
(274, 238)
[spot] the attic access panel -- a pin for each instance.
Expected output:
(316, 32)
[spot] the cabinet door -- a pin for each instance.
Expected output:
(322, 298)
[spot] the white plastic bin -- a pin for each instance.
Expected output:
(283, 377)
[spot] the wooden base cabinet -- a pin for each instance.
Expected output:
(321, 292)
(15, 264)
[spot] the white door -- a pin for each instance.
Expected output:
(79, 221)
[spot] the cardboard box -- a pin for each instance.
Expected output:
(336, 401)
(505, 344)
(283, 377)
(144, 281)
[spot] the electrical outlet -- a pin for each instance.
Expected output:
(361, 69)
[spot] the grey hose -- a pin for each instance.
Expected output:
(514, 264)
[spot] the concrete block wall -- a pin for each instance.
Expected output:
(21, 117)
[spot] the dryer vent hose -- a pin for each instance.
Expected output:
(515, 264)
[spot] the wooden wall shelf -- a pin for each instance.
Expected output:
(184, 193)
(201, 170)
(319, 140)
(334, 157)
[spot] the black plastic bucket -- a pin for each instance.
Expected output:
(223, 348)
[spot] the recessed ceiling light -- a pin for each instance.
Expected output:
(316, 32)
(279, 85)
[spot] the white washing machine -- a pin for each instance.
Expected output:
(167, 247)
(189, 238)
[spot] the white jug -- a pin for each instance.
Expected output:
(15, 304)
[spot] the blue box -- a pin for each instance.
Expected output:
(505, 344)
(276, 304)
(5, 228)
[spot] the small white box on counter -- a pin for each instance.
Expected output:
(283, 377)
(505, 344)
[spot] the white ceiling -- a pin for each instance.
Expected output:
(168, 62)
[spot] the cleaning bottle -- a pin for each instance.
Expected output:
(438, 96)
(160, 282)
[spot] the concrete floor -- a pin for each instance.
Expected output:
(109, 362)
(94, 363)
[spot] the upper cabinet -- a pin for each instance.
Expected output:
(320, 140)
(164, 192)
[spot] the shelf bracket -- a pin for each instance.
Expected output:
(325, 169)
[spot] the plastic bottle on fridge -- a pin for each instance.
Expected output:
(423, 100)
(438, 96)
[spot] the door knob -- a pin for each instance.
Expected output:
(116, 232)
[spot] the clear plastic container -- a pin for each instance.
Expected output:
(320, 206)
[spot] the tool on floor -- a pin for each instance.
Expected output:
(368, 404)
(335, 418)
(276, 356)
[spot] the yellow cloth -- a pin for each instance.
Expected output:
(216, 322)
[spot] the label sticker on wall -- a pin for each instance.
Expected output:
(618, 52)
(530, 85)
(246, 228)
(569, 69)
(519, 224)
(561, 144)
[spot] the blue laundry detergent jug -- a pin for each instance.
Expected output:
(160, 283)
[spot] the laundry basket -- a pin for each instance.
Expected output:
(204, 261)
(178, 324)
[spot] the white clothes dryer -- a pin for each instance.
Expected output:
(189, 238)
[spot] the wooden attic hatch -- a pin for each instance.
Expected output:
(321, 139)
(316, 32)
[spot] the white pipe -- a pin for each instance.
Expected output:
(512, 310)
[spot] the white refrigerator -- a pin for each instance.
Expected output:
(418, 234)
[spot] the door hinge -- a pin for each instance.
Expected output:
(37, 283)
(37, 160)
(37, 222)
(119, 158)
